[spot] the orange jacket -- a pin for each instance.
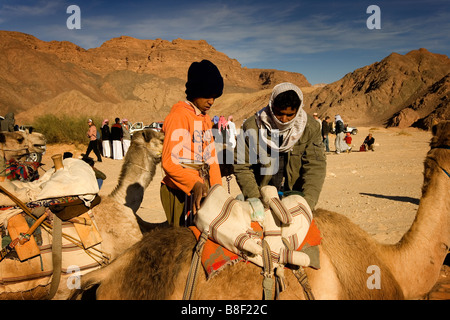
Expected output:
(188, 137)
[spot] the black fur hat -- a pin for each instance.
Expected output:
(203, 81)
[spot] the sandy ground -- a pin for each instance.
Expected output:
(378, 190)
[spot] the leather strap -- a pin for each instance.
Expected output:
(56, 256)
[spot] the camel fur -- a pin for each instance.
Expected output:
(115, 216)
(157, 267)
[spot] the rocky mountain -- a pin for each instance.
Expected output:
(142, 79)
(400, 90)
(124, 77)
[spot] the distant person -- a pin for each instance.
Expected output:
(126, 138)
(215, 122)
(67, 154)
(339, 142)
(300, 165)
(106, 139)
(348, 140)
(232, 132)
(223, 129)
(8, 123)
(116, 138)
(93, 144)
(316, 116)
(100, 176)
(326, 130)
(369, 142)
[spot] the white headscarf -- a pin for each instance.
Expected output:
(292, 130)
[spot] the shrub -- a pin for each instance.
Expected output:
(65, 128)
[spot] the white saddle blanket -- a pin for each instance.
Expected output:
(76, 179)
(228, 222)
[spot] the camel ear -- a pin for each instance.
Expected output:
(434, 128)
(147, 134)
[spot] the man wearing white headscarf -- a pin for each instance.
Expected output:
(126, 139)
(339, 143)
(282, 146)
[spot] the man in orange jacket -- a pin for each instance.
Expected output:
(189, 157)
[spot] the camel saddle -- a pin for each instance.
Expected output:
(71, 209)
(229, 222)
(229, 230)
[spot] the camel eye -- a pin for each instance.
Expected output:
(20, 140)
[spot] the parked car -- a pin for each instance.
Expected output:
(350, 129)
(137, 126)
(34, 156)
(156, 126)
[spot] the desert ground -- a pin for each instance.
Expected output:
(379, 190)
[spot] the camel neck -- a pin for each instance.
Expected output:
(423, 248)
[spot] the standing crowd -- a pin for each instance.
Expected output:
(343, 140)
(110, 142)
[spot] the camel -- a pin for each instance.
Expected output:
(115, 216)
(119, 225)
(17, 144)
(353, 266)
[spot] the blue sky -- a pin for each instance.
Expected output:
(324, 40)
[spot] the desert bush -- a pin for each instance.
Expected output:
(65, 128)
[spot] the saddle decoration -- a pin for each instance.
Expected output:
(228, 223)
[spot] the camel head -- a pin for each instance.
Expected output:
(441, 134)
(17, 144)
(153, 141)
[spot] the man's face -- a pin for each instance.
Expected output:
(203, 104)
(284, 115)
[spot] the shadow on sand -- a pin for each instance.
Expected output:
(394, 198)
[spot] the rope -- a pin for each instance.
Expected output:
(196, 266)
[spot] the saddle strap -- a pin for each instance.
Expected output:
(196, 266)
(301, 276)
(56, 256)
(268, 281)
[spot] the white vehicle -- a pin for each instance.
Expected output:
(156, 126)
(137, 126)
(352, 130)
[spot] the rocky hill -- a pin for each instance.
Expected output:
(142, 79)
(400, 90)
(124, 77)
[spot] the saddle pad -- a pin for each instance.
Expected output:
(215, 257)
(16, 276)
(17, 225)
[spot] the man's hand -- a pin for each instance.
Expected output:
(200, 190)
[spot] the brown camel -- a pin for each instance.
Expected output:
(353, 265)
(115, 215)
(16, 144)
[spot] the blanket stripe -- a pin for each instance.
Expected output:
(215, 257)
